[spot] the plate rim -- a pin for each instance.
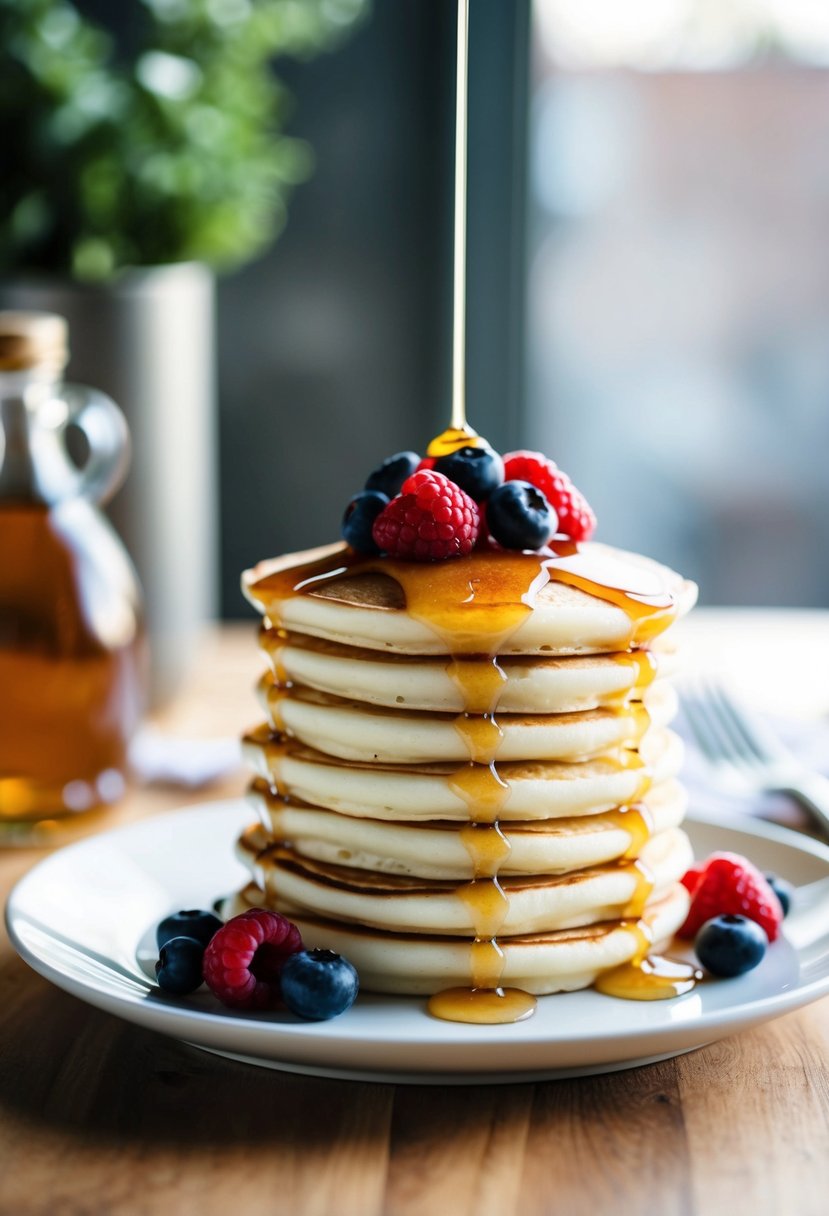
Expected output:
(440, 1037)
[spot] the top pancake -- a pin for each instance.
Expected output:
(501, 605)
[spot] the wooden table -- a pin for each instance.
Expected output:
(98, 1116)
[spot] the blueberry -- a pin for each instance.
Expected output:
(359, 518)
(519, 517)
(193, 923)
(730, 945)
(783, 890)
(179, 966)
(478, 471)
(318, 984)
(390, 475)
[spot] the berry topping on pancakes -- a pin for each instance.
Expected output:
(525, 498)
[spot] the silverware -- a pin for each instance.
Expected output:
(745, 754)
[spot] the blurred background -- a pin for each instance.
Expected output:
(679, 281)
(648, 264)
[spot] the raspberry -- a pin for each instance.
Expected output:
(693, 877)
(432, 519)
(426, 464)
(731, 885)
(575, 516)
(244, 959)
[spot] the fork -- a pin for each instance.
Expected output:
(745, 754)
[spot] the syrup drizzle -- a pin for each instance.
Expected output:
(626, 760)
(642, 887)
(636, 820)
(486, 1000)
(481, 682)
(482, 788)
(281, 676)
(459, 245)
(646, 977)
(475, 604)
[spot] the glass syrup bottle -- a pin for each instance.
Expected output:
(71, 640)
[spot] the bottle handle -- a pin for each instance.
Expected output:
(105, 430)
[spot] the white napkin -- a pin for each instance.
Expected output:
(164, 759)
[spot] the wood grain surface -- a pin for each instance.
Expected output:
(98, 1116)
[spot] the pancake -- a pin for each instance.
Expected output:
(533, 789)
(406, 826)
(529, 904)
(529, 684)
(437, 850)
(371, 603)
(352, 731)
(540, 963)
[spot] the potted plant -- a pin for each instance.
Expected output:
(144, 149)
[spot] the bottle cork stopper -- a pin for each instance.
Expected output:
(33, 340)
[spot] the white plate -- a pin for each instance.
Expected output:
(84, 918)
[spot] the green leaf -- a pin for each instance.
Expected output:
(173, 149)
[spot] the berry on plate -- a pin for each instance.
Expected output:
(179, 966)
(359, 518)
(730, 884)
(432, 519)
(244, 960)
(390, 475)
(730, 945)
(319, 984)
(783, 890)
(476, 470)
(575, 516)
(693, 877)
(193, 922)
(518, 516)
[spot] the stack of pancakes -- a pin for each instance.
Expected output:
(463, 783)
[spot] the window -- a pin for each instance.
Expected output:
(679, 281)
